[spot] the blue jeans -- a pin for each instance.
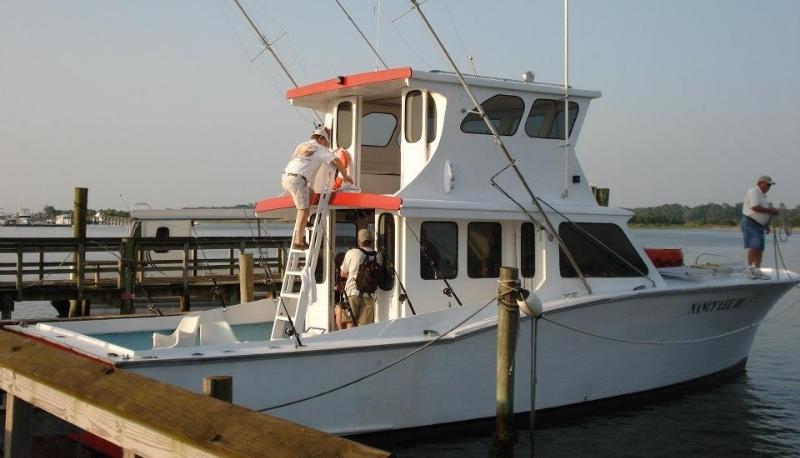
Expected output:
(753, 234)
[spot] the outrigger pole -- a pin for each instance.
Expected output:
(268, 47)
(502, 146)
(366, 40)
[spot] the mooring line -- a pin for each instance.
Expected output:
(384, 368)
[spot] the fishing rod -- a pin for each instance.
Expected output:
(512, 162)
(268, 47)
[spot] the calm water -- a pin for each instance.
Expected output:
(752, 415)
(755, 414)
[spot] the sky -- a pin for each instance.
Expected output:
(170, 103)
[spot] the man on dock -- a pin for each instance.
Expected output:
(755, 222)
(300, 172)
(362, 270)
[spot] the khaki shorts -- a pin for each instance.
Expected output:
(364, 309)
(298, 189)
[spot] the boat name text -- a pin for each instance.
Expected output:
(716, 306)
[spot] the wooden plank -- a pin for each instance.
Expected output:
(148, 417)
(19, 427)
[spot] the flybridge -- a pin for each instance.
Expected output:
(413, 134)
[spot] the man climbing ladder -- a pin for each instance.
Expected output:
(299, 174)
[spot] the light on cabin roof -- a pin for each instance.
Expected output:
(527, 76)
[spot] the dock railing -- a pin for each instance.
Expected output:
(103, 268)
(141, 416)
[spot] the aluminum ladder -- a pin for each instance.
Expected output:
(299, 271)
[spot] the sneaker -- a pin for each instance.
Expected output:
(761, 275)
(750, 272)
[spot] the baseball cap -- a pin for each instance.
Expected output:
(364, 235)
(322, 132)
(766, 179)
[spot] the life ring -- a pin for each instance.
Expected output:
(344, 157)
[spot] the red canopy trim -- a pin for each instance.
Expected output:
(342, 82)
(338, 199)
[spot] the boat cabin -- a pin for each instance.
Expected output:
(421, 159)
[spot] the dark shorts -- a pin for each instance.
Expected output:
(753, 234)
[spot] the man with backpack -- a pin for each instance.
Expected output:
(361, 267)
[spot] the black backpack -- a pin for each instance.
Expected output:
(369, 273)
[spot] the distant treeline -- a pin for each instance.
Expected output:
(702, 215)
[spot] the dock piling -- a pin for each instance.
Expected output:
(246, 285)
(219, 387)
(507, 321)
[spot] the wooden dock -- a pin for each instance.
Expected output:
(141, 416)
(122, 271)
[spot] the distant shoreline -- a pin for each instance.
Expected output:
(690, 226)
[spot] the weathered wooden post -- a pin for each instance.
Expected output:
(507, 321)
(127, 275)
(246, 284)
(41, 263)
(19, 427)
(6, 307)
(20, 267)
(219, 387)
(185, 298)
(79, 209)
(79, 307)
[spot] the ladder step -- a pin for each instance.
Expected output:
(294, 272)
(290, 295)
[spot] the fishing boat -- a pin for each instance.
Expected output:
(617, 320)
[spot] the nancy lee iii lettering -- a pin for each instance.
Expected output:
(716, 306)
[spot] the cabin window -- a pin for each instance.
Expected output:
(504, 112)
(385, 241)
(528, 250)
(430, 120)
(413, 121)
(344, 125)
(438, 250)
(546, 119)
(377, 129)
(162, 233)
(484, 249)
(595, 260)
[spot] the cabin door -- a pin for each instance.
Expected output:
(418, 131)
(347, 132)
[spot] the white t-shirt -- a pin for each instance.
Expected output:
(307, 158)
(755, 197)
(352, 259)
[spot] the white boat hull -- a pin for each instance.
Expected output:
(454, 379)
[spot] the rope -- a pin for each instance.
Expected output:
(382, 369)
(506, 288)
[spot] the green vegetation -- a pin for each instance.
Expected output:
(702, 215)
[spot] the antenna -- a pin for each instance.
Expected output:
(566, 100)
(268, 47)
(360, 32)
